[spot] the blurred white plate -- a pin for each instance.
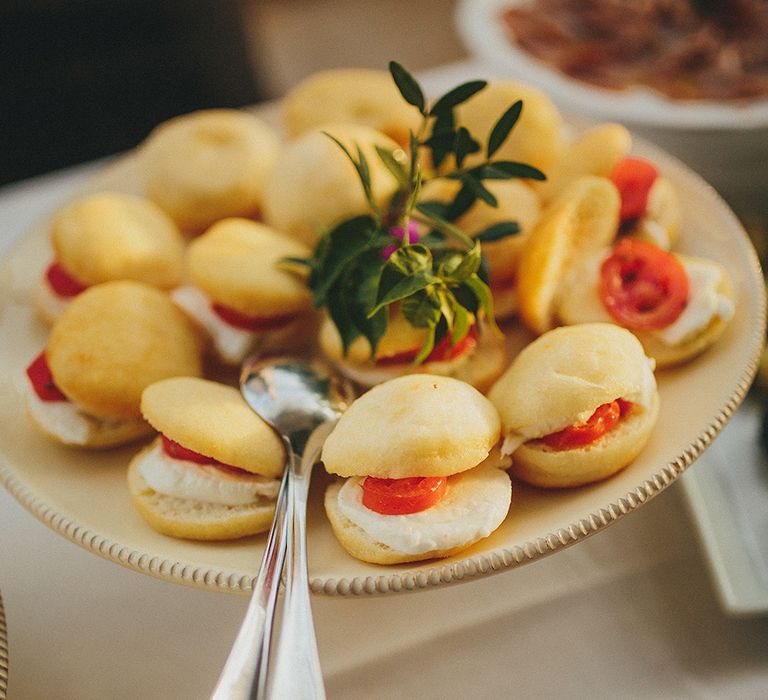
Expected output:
(728, 498)
(3, 653)
(479, 25)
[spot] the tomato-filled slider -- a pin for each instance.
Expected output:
(241, 294)
(314, 185)
(478, 358)
(577, 405)
(214, 471)
(422, 474)
(356, 95)
(206, 165)
(677, 305)
(109, 236)
(111, 342)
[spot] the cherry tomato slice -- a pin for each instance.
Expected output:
(634, 178)
(62, 282)
(402, 496)
(40, 376)
(250, 323)
(642, 286)
(177, 451)
(603, 420)
(442, 352)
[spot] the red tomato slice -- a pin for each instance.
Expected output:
(62, 282)
(642, 286)
(42, 380)
(250, 323)
(401, 496)
(442, 352)
(634, 178)
(177, 451)
(603, 420)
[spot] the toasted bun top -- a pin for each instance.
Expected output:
(115, 339)
(362, 96)
(415, 425)
(237, 263)
(314, 185)
(110, 236)
(214, 420)
(565, 374)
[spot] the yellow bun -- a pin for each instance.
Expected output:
(584, 217)
(536, 138)
(111, 236)
(661, 222)
(314, 185)
(236, 263)
(594, 152)
(564, 375)
(479, 367)
(540, 465)
(214, 420)
(206, 165)
(416, 425)
(478, 484)
(579, 302)
(179, 517)
(359, 96)
(115, 339)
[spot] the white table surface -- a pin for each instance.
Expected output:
(630, 612)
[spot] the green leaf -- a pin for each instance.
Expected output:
(442, 138)
(483, 294)
(289, 260)
(461, 204)
(508, 169)
(361, 167)
(498, 231)
(461, 321)
(411, 259)
(360, 288)
(432, 207)
(468, 265)
(463, 145)
(456, 96)
(479, 189)
(408, 87)
(502, 128)
(339, 313)
(428, 347)
(422, 310)
(393, 165)
(406, 287)
(448, 228)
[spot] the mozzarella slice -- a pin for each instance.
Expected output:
(203, 482)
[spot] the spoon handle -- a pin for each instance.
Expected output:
(296, 673)
(245, 673)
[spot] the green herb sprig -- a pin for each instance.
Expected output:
(440, 281)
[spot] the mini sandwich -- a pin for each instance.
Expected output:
(214, 471)
(240, 292)
(478, 358)
(577, 405)
(109, 236)
(207, 165)
(314, 185)
(422, 477)
(515, 202)
(356, 95)
(111, 342)
(677, 305)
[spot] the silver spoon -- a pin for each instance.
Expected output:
(301, 400)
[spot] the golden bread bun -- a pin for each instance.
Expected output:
(479, 367)
(314, 185)
(415, 425)
(542, 466)
(236, 263)
(180, 517)
(213, 420)
(594, 152)
(537, 137)
(564, 375)
(111, 236)
(210, 164)
(355, 95)
(115, 339)
(584, 217)
(661, 222)
(475, 485)
(579, 302)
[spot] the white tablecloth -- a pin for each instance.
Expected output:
(629, 612)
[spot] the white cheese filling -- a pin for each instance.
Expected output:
(475, 504)
(203, 482)
(50, 303)
(231, 344)
(67, 421)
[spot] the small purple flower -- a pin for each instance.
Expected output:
(399, 232)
